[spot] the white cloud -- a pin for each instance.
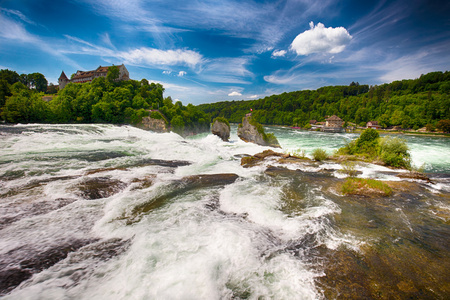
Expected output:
(181, 73)
(15, 31)
(278, 53)
(232, 94)
(153, 56)
(252, 97)
(320, 39)
(167, 72)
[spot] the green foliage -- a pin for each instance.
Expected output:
(394, 152)
(156, 115)
(365, 187)
(349, 168)
(103, 100)
(367, 143)
(298, 153)
(443, 125)
(406, 103)
(319, 154)
(223, 120)
(113, 73)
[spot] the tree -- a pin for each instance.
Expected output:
(443, 125)
(113, 74)
(10, 76)
(37, 81)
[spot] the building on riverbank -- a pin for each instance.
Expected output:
(88, 76)
(333, 124)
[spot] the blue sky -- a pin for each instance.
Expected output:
(207, 51)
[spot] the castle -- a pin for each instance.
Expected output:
(88, 76)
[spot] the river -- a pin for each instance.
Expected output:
(115, 212)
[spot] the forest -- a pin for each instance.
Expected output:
(409, 104)
(104, 100)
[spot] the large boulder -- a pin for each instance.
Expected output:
(253, 132)
(221, 128)
(155, 122)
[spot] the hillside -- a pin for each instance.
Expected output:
(407, 103)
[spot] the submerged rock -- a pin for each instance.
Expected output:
(179, 187)
(20, 264)
(221, 129)
(99, 187)
(253, 132)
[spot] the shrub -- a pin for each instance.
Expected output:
(298, 153)
(155, 115)
(319, 154)
(394, 152)
(348, 168)
(443, 125)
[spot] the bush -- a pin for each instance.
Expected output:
(443, 125)
(394, 152)
(298, 153)
(349, 168)
(319, 154)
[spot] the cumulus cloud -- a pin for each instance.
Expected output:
(252, 97)
(167, 72)
(319, 39)
(181, 73)
(232, 94)
(278, 53)
(153, 56)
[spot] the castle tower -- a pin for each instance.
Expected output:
(63, 80)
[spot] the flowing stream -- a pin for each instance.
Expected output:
(109, 212)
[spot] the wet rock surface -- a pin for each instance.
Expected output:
(177, 188)
(19, 211)
(20, 264)
(99, 187)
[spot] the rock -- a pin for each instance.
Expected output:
(100, 187)
(178, 187)
(414, 175)
(156, 124)
(21, 263)
(221, 129)
(253, 132)
(250, 161)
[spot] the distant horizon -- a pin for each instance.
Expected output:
(205, 51)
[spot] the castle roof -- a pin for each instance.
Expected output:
(334, 118)
(63, 76)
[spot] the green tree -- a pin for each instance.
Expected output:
(113, 74)
(37, 81)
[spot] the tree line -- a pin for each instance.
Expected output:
(407, 103)
(103, 100)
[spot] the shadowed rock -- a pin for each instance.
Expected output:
(221, 129)
(20, 264)
(99, 187)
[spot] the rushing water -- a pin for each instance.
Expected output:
(107, 212)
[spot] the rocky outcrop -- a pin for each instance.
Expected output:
(156, 125)
(221, 129)
(253, 132)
